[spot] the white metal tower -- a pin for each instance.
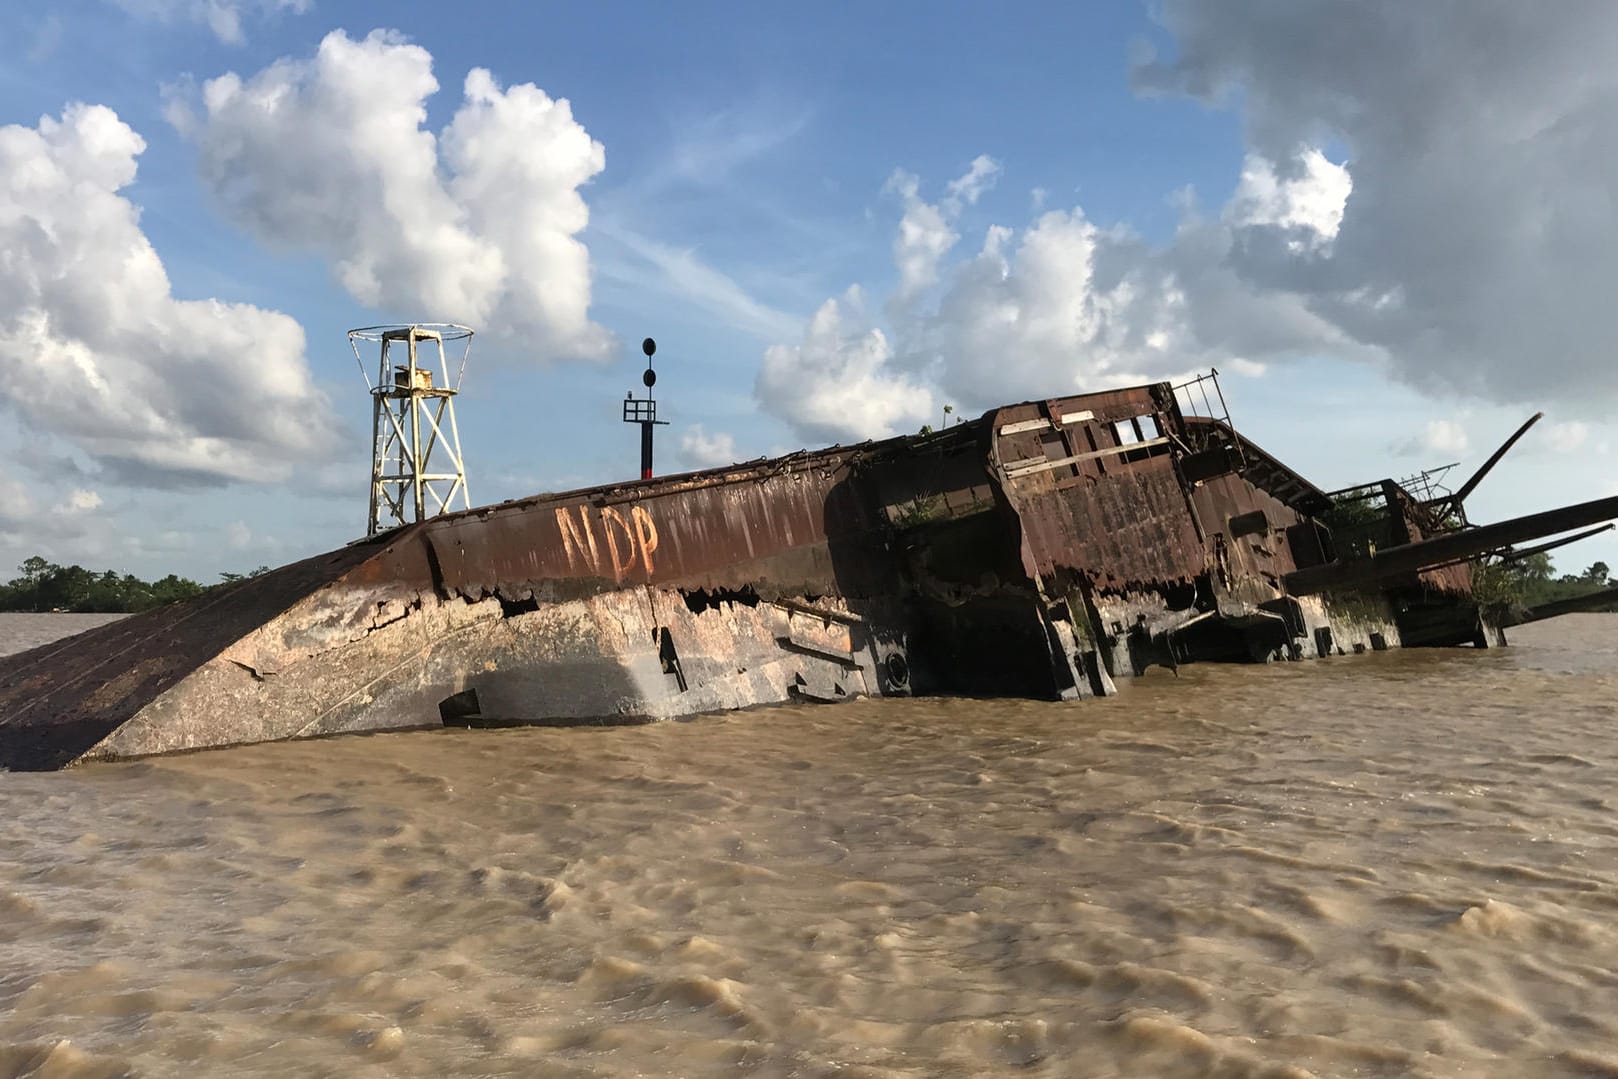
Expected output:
(416, 466)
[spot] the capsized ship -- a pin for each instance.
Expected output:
(1049, 549)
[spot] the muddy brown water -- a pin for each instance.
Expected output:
(1395, 864)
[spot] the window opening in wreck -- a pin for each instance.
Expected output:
(1055, 448)
(1134, 433)
(1098, 464)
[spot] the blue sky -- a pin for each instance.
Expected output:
(1391, 266)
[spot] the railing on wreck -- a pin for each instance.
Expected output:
(1197, 404)
(1211, 435)
(1368, 517)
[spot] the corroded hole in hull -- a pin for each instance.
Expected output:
(711, 599)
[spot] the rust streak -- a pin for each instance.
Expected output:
(610, 519)
(646, 533)
(571, 541)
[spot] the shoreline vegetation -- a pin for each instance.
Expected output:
(1529, 582)
(45, 586)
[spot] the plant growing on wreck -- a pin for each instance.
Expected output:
(1359, 525)
(1351, 605)
(920, 511)
(928, 429)
(1503, 588)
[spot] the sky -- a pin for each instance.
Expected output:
(1392, 228)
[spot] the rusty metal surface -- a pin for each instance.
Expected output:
(1412, 521)
(811, 523)
(59, 699)
(1120, 518)
(797, 525)
(1255, 535)
(805, 525)
(1262, 469)
(1400, 561)
(996, 543)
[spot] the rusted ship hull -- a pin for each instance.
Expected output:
(1047, 549)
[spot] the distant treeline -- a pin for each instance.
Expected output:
(45, 586)
(1531, 581)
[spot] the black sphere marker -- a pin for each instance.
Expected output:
(644, 412)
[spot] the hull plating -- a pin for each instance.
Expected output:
(1050, 549)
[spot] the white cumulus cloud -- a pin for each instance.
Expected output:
(1309, 204)
(478, 223)
(97, 351)
(1051, 310)
(702, 449)
(81, 500)
(927, 231)
(979, 177)
(1440, 438)
(924, 237)
(838, 383)
(1064, 305)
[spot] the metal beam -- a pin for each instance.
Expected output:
(1030, 465)
(1507, 556)
(1488, 466)
(1425, 554)
(1529, 552)
(1573, 603)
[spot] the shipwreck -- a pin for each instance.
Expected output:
(1049, 549)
